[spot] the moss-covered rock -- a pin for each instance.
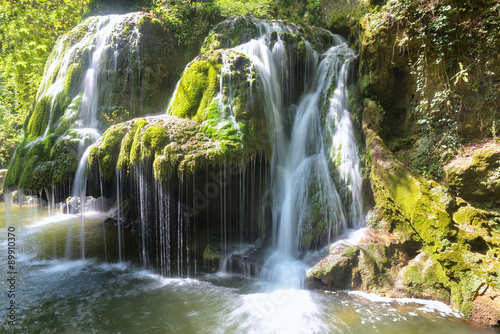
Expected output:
(131, 80)
(436, 98)
(105, 155)
(221, 90)
(372, 263)
(211, 254)
(460, 239)
(335, 270)
(476, 176)
(197, 88)
(241, 29)
(173, 146)
(424, 277)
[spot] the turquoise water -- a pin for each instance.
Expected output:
(98, 294)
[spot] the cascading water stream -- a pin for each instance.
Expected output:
(343, 146)
(98, 40)
(300, 162)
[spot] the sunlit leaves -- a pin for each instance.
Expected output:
(28, 30)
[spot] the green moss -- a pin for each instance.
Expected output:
(426, 279)
(335, 271)
(196, 90)
(105, 155)
(476, 177)
(36, 168)
(155, 139)
(459, 240)
(211, 254)
(40, 118)
(148, 142)
(124, 158)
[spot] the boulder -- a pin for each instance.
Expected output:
(475, 175)
(486, 306)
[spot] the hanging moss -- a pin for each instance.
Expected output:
(106, 152)
(124, 156)
(40, 118)
(148, 143)
(211, 254)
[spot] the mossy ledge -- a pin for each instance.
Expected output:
(174, 145)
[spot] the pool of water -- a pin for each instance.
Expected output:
(55, 293)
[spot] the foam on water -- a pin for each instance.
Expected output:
(57, 218)
(280, 311)
(60, 266)
(430, 306)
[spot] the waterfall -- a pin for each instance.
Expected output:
(301, 178)
(312, 181)
(98, 43)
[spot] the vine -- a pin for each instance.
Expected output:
(450, 45)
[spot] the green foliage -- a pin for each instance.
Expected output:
(106, 153)
(10, 123)
(345, 22)
(28, 30)
(451, 51)
(190, 22)
(259, 8)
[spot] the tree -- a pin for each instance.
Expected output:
(28, 31)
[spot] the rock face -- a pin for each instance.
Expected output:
(476, 176)
(241, 29)
(104, 71)
(416, 113)
(381, 262)
(486, 307)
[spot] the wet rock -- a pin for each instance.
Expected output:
(370, 263)
(132, 81)
(335, 271)
(247, 260)
(74, 204)
(460, 240)
(241, 29)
